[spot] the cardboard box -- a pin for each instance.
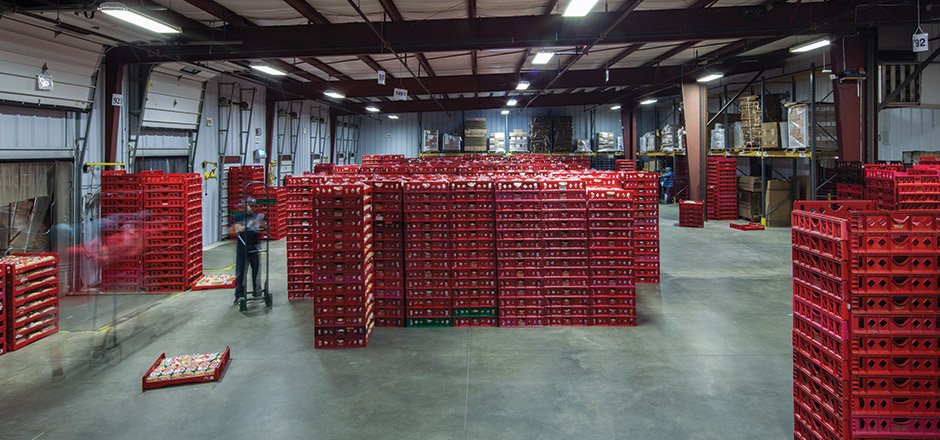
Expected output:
(749, 205)
(749, 183)
(778, 203)
(770, 135)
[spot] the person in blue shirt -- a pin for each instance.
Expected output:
(245, 229)
(666, 181)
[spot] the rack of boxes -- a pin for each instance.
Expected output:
(474, 254)
(566, 284)
(722, 188)
(428, 253)
(343, 290)
(389, 239)
(31, 298)
(519, 253)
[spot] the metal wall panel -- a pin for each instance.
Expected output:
(172, 101)
(33, 133)
(907, 129)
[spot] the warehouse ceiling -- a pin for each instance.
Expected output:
(466, 54)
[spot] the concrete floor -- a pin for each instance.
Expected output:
(710, 359)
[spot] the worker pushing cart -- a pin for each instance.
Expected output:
(245, 229)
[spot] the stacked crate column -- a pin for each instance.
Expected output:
(3, 310)
(165, 252)
(301, 236)
(565, 251)
(613, 288)
(722, 188)
(121, 232)
(31, 304)
(238, 179)
(519, 253)
(343, 294)
(270, 201)
(389, 231)
(428, 254)
(193, 228)
(644, 188)
(474, 263)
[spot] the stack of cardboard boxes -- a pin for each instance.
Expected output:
(475, 135)
(778, 200)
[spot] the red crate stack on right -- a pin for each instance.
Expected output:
(644, 187)
(31, 302)
(474, 262)
(722, 188)
(519, 253)
(301, 236)
(865, 322)
(3, 310)
(122, 231)
(343, 294)
(428, 253)
(565, 251)
(388, 220)
(919, 188)
(880, 185)
(193, 237)
(611, 253)
(691, 214)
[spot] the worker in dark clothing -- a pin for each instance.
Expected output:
(666, 181)
(245, 229)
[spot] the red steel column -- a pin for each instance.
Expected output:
(113, 84)
(628, 124)
(695, 112)
(851, 97)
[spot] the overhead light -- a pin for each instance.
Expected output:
(523, 85)
(615, 107)
(648, 101)
(372, 109)
(512, 102)
(504, 112)
(190, 70)
(264, 68)
(334, 94)
(579, 8)
(543, 57)
(710, 77)
(809, 46)
(121, 12)
(393, 116)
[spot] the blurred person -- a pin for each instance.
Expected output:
(666, 182)
(245, 230)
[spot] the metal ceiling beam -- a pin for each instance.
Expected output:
(529, 31)
(392, 11)
(670, 53)
(326, 68)
(624, 53)
(471, 14)
(549, 7)
(459, 104)
(223, 13)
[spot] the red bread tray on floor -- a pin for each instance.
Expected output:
(213, 377)
(212, 282)
(747, 227)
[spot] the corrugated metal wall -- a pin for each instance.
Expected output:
(907, 129)
(31, 133)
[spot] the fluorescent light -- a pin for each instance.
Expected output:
(648, 101)
(504, 112)
(710, 77)
(121, 12)
(512, 102)
(523, 85)
(264, 68)
(543, 57)
(372, 109)
(579, 8)
(393, 116)
(615, 107)
(334, 94)
(809, 46)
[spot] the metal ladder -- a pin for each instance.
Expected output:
(138, 78)
(228, 108)
(347, 139)
(319, 131)
(288, 137)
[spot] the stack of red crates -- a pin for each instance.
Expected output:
(880, 185)
(474, 255)
(519, 253)
(168, 237)
(343, 295)
(625, 165)
(929, 160)
(3, 310)
(121, 230)
(644, 188)
(31, 300)
(865, 321)
(722, 188)
(428, 253)
(270, 201)
(850, 191)
(238, 178)
(613, 287)
(301, 239)
(388, 219)
(691, 214)
(565, 252)
(919, 188)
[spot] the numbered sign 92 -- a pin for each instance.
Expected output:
(921, 42)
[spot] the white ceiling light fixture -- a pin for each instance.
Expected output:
(616, 107)
(523, 85)
(334, 94)
(512, 102)
(648, 101)
(121, 12)
(264, 68)
(809, 46)
(710, 77)
(579, 8)
(504, 112)
(393, 116)
(372, 109)
(543, 57)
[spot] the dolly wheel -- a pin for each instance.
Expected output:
(268, 300)
(243, 305)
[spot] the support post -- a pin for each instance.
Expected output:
(695, 112)
(113, 84)
(850, 97)
(628, 124)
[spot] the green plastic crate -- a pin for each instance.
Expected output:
(476, 312)
(429, 322)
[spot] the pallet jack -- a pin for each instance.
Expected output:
(265, 294)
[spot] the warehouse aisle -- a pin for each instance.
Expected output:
(710, 359)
